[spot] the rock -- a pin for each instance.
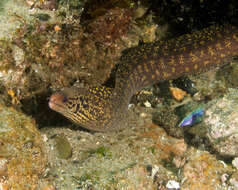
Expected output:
(221, 121)
(177, 93)
(168, 120)
(235, 162)
(229, 75)
(203, 171)
(173, 184)
(176, 121)
(234, 180)
(63, 147)
(22, 160)
(3, 167)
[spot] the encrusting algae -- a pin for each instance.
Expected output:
(22, 158)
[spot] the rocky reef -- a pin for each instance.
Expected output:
(46, 45)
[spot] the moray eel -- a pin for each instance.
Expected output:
(100, 108)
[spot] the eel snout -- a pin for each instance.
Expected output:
(57, 102)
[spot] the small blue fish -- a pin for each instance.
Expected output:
(192, 118)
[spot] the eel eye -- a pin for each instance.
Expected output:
(64, 99)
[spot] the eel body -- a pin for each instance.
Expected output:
(103, 109)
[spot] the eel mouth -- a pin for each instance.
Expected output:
(56, 102)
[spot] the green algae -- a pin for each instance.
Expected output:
(101, 152)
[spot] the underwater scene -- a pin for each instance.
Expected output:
(118, 95)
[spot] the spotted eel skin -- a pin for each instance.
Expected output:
(103, 109)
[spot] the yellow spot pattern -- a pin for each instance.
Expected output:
(102, 108)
